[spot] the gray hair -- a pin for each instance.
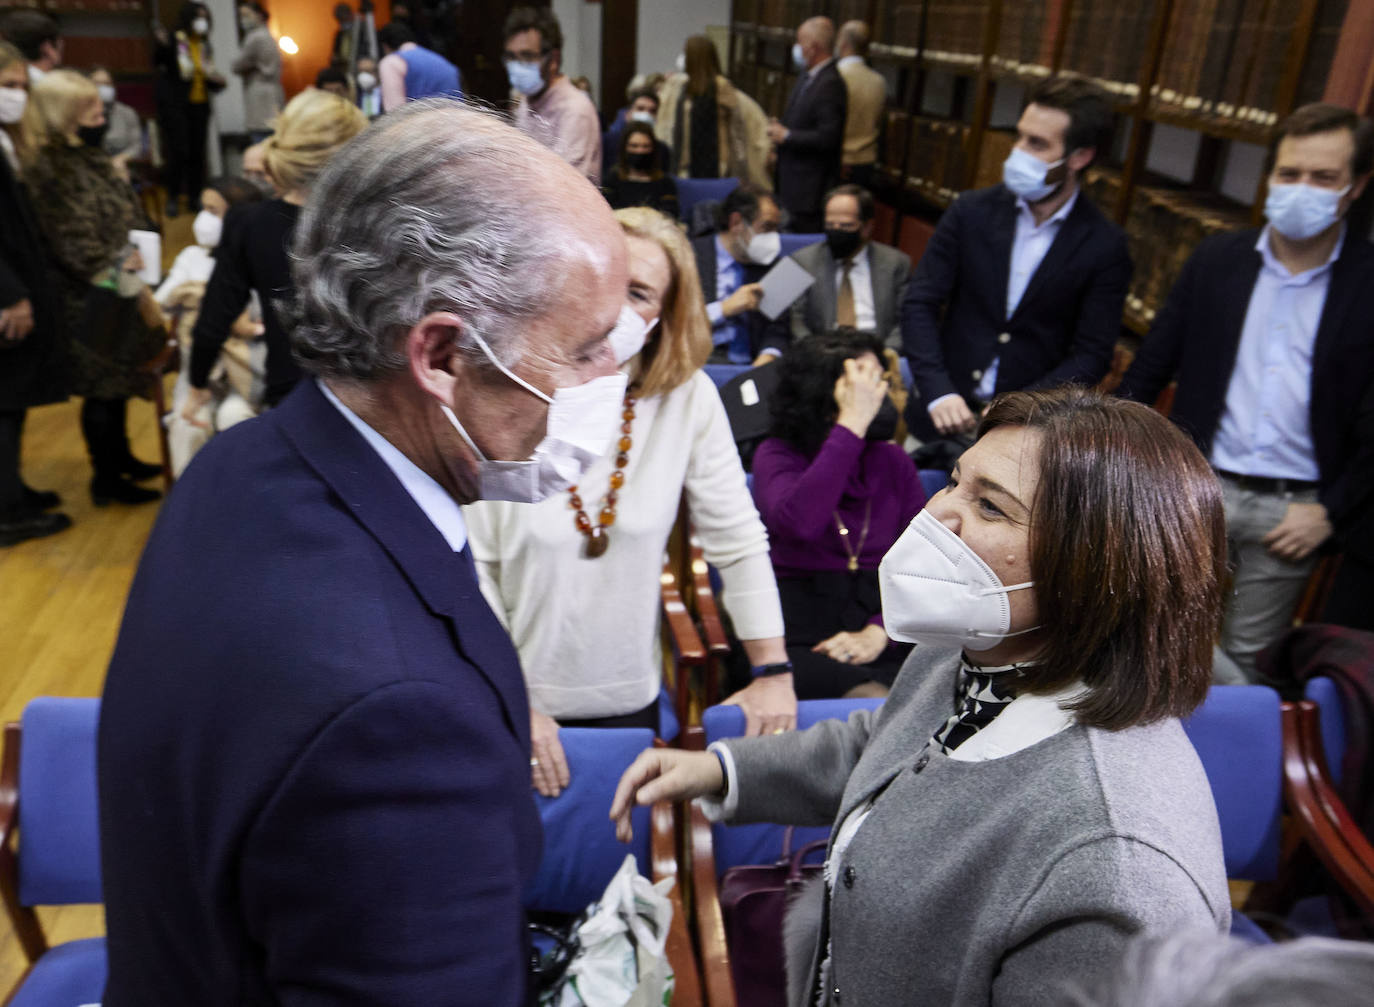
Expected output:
(1202, 969)
(432, 208)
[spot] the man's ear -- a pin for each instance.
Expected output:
(431, 345)
(1357, 188)
(1081, 158)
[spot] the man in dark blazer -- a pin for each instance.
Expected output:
(1270, 335)
(810, 137)
(314, 742)
(859, 284)
(1022, 284)
(731, 262)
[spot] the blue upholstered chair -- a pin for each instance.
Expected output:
(582, 854)
(933, 481)
(796, 242)
(761, 843)
(691, 191)
(48, 803)
(723, 374)
(1323, 692)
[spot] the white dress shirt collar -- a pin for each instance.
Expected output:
(820, 66)
(849, 60)
(1023, 210)
(433, 499)
(1272, 263)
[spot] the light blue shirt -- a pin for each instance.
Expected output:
(1265, 429)
(441, 509)
(1029, 246)
(729, 278)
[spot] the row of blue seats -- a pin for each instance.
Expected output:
(1240, 734)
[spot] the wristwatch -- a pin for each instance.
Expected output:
(769, 670)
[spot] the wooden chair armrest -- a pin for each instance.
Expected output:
(686, 968)
(1322, 816)
(684, 634)
(710, 925)
(707, 611)
(23, 918)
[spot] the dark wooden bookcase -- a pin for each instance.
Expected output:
(1222, 71)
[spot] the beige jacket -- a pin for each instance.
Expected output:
(867, 94)
(743, 130)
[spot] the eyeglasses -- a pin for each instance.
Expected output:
(525, 55)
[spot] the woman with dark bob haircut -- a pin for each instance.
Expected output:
(834, 493)
(1026, 800)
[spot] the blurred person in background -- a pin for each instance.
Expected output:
(550, 108)
(259, 64)
(714, 129)
(181, 294)
(642, 107)
(185, 62)
(835, 493)
(86, 211)
(255, 168)
(33, 366)
(637, 178)
(252, 253)
(37, 36)
(575, 578)
(123, 139)
(369, 87)
(409, 72)
(332, 80)
(867, 92)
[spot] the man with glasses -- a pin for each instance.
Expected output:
(550, 108)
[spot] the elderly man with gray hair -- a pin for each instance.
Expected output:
(314, 739)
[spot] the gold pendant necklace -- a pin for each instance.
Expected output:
(863, 536)
(598, 534)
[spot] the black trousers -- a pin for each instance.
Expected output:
(107, 440)
(11, 485)
(184, 130)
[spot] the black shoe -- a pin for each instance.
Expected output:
(21, 529)
(40, 500)
(139, 471)
(120, 490)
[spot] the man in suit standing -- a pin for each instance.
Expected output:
(859, 284)
(810, 136)
(314, 742)
(1269, 336)
(731, 263)
(866, 93)
(1022, 283)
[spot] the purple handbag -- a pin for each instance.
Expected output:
(753, 900)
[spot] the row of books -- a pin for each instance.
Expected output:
(1023, 44)
(1224, 58)
(936, 156)
(1106, 40)
(1163, 227)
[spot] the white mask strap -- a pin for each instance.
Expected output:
(462, 433)
(482, 344)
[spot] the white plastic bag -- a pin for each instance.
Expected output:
(621, 961)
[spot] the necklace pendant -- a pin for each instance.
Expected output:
(853, 564)
(597, 542)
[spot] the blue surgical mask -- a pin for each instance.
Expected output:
(1024, 174)
(525, 77)
(1300, 211)
(798, 57)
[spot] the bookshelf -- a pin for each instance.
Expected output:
(1223, 72)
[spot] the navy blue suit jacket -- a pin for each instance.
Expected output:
(1196, 336)
(314, 742)
(809, 159)
(954, 319)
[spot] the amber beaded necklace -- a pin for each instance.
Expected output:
(598, 535)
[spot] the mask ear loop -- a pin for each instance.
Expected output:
(482, 344)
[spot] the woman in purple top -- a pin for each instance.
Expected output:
(835, 493)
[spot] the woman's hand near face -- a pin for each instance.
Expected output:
(859, 393)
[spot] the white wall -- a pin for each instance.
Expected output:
(581, 24)
(665, 24)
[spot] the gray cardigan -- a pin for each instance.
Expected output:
(259, 64)
(986, 882)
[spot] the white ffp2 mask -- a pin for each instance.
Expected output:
(581, 422)
(12, 102)
(629, 335)
(764, 247)
(207, 229)
(936, 590)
